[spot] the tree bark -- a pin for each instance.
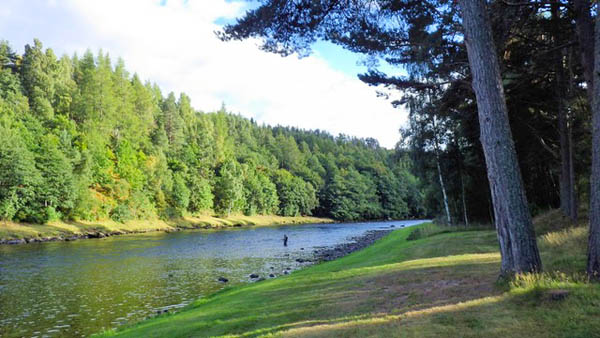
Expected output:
(513, 221)
(593, 266)
(490, 208)
(585, 34)
(459, 164)
(437, 161)
(464, 200)
(567, 194)
(573, 198)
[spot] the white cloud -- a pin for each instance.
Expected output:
(175, 46)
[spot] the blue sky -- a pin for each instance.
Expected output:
(173, 44)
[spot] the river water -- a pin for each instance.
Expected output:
(74, 289)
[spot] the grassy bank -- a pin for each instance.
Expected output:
(61, 229)
(439, 283)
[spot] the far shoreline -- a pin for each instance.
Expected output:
(12, 233)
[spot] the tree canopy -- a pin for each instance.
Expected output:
(85, 139)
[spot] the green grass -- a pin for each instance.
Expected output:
(444, 284)
(12, 230)
(432, 229)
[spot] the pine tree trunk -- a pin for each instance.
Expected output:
(459, 164)
(584, 26)
(573, 198)
(566, 204)
(567, 187)
(464, 200)
(513, 221)
(593, 266)
(437, 161)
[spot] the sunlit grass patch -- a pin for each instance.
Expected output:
(383, 325)
(564, 250)
(528, 310)
(571, 238)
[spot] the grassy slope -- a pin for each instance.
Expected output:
(10, 230)
(440, 285)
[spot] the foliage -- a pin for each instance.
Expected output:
(229, 188)
(84, 139)
(295, 196)
(19, 177)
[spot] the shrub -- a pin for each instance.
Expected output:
(121, 214)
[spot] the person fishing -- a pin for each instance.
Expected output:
(285, 239)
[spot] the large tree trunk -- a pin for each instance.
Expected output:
(593, 266)
(513, 221)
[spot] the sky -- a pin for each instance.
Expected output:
(172, 43)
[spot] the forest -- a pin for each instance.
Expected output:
(502, 95)
(83, 139)
(542, 74)
(489, 202)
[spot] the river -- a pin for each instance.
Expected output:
(77, 288)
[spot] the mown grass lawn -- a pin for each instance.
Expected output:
(443, 284)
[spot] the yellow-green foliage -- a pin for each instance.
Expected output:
(12, 230)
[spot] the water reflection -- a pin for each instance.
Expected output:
(78, 288)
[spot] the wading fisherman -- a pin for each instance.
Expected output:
(285, 239)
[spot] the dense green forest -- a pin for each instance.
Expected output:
(84, 139)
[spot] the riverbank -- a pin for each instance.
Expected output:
(355, 244)
(21, 233)
(441, 284)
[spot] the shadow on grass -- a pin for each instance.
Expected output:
(521, 313)
(357, 293)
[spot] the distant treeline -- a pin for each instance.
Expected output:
(84, 139)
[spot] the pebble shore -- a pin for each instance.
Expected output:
(356, 243)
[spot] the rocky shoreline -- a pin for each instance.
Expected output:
(23, 233)
(355, 244)
(325, 254)
(74, 237)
